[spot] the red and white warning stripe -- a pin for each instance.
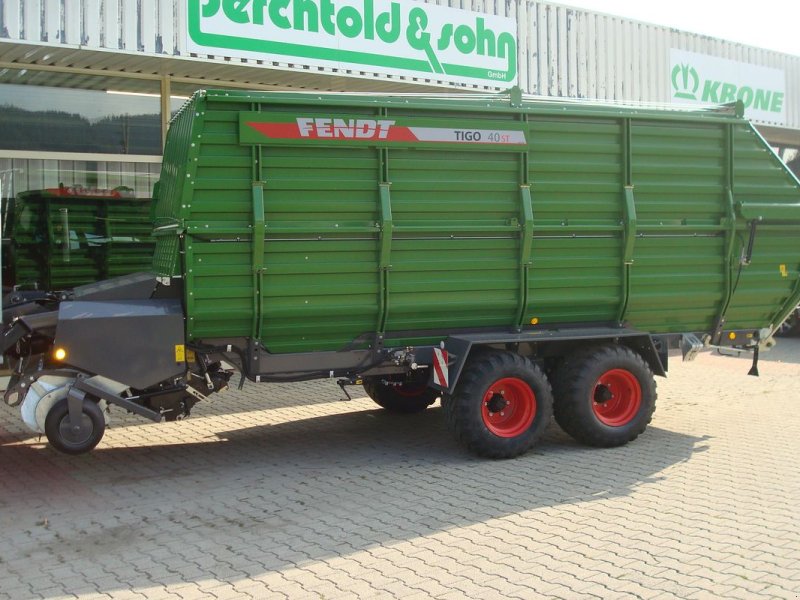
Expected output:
(440, 374)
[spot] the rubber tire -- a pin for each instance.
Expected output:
(464, 409)
(575, 383)
(417, 396)
(59, 412)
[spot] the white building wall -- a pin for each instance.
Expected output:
(562, 51)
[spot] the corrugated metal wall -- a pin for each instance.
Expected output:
(562, 51)
(574, 53)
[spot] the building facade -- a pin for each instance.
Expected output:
(87, 87)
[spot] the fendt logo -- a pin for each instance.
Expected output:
(260, 128)
(685, 82)
(363, 129)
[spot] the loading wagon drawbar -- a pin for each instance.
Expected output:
(518, 258)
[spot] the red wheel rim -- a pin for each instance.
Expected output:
(617, 397)
(508, 407)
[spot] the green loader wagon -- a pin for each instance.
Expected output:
(515, 257)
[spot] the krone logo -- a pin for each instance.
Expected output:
(685, 82)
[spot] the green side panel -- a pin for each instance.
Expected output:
(318, 282)
(676, 283)
(171, 189)
(678, 271)
(306, 243)
(319, 293)
(456, 243)
(769, 281)
(575, 172)
(217, 209)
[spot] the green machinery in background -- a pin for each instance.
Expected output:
(59, 238)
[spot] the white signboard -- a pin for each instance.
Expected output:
(395, 37)
(710, 80)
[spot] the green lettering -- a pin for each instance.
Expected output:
(745, 94)
(258, 11)
(419, 39)
(349, 22)
(277, 13)
(416, 36)
(210, 8)
(444, 38)
(464, 39)
(369, 20)
(763, 100)
(711, 91)
(728, 93)
(507, 46)
(236, 10)
(486, 40)
(388, 24)
(326, 11)
(777, 102)
(303, 9)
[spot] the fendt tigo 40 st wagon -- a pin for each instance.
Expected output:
(518, 258)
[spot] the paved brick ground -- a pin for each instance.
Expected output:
(285, 491)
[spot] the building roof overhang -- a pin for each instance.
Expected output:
(79, 67)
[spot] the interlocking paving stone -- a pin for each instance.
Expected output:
(285, 491)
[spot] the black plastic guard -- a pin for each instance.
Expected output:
(44, 323)
(136, 342)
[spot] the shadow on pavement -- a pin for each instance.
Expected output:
(267, 498)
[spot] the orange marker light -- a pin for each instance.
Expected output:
(60, 354)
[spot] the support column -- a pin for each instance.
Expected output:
(166, 92)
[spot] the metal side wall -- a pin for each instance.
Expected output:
(608, 215)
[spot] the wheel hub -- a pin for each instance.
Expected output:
(76, 434)
(602, 393)
(496, 403)
(617, 397)
(509, 407)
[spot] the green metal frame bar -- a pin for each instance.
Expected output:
(526, 248)
(189, 171)
(385, 258)
(687, 229)
(761, 211)
(103, 214)
(259, 230)
(629, 224)
(729, 225)
(489, 103)
(51, 241)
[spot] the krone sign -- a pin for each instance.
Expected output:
(394, 37)
(699, 78)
